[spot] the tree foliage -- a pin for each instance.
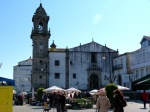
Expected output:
(109, 91)
(39, 94)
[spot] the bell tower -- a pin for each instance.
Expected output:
(40, 37)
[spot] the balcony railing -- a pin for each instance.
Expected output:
(94, 66)
(119, 66)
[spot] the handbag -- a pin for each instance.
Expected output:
(123, 102)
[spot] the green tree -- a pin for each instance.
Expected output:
(109, 91)
(39, 94)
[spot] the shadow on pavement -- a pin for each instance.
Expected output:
(143, 108)
(37, 108)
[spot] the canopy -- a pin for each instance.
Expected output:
(142, 83)
(122, 87)
(8, 81)
(72, 89)
(119, 87)
(53, 88)
(94, 91)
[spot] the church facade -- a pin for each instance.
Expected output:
(81, 67)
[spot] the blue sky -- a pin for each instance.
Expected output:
(120, 24)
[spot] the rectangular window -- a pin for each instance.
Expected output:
(57, 63)
(74, 76)
(93, 57)
(57, 75)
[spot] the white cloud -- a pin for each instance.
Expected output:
(96, 19)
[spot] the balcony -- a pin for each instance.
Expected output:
(119, 66)
(94, 66)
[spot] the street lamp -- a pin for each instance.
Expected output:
(111, 78)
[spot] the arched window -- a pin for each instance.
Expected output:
(137, 75)
(40, 27)
(142, 72)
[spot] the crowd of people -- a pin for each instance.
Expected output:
(58, 99)
(18, 99)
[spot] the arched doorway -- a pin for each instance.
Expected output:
(94, 81)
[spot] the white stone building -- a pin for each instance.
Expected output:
(81, 67)
(122, 70)
(134, 65)
(22, 75)
(140, 59)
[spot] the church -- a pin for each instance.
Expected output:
(86, 66)
(82, 67)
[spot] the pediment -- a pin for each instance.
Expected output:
(89, 47)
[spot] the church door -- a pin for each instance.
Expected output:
(94, 81)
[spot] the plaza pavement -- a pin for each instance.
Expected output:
(132, 106)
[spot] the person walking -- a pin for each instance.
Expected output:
(119, 101)
(144, 97)
(103, 103)
(58, 102)
(63, 102)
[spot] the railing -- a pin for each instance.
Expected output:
(119, 66)
(94, 66)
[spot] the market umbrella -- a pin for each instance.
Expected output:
(24, 93)
(72, 90)
(122, 87)
(94, 91)
(119, 87)
(53, 88)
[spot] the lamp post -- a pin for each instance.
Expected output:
(111, 78)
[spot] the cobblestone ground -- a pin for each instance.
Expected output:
(131, 107)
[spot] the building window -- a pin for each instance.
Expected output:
(93, 57)
(147, 71)
(74, 76)
(57, 63)
(71, 63)
(137, 74)
(142, 72)
(57, 75)
(40, 76)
